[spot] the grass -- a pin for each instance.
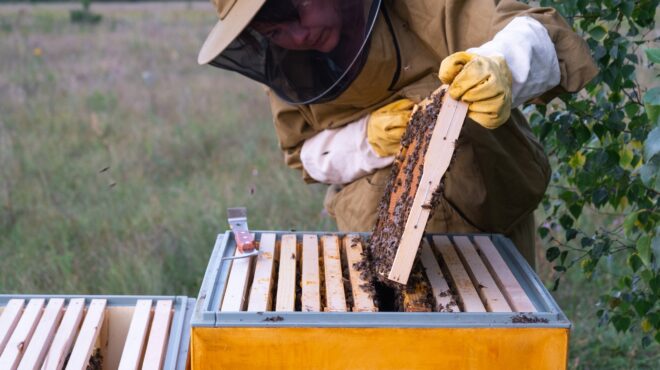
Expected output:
(119, 156)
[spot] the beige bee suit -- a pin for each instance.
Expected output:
(498, 176)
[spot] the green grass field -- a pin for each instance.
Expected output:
(119, 156)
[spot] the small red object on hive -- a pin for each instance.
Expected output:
(237, 218)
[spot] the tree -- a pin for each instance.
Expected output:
(84, 15)
(604, 144)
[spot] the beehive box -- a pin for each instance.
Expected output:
(94, 332)
(303, 303)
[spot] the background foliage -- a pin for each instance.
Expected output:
(605, 147)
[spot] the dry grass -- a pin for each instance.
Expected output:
(119, 154)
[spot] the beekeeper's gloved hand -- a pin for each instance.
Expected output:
(484, 83)
(386, 126)
(342, 155)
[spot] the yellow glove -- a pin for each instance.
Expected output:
(386, 126)
(482, 82)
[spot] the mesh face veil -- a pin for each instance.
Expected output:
(306, 51)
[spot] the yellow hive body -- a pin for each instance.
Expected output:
(498, 315)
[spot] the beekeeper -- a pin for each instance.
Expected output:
(343, 76)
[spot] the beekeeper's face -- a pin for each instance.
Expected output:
(318, 27)
(306, 51)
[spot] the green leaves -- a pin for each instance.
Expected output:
(652, 104)
(644, 249)
(635, 262)
(598, 32)
(655, 247)
(653, 55)
(652, 144)
(621, 323)
(605, 150)
(649, 172)
(552, 253)
(652, 96)
(629, 223)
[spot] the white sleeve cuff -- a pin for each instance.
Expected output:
(530, 54)
(342, 155)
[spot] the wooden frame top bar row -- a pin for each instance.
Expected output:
(40, 331)
(539, 309)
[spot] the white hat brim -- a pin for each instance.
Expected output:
(227, 29)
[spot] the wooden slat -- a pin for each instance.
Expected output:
(154, 355)
(43, 334)
(362, 300)
(235, 298)
(481, 278)
(439, 286)
(504, 278)
(262, 284)
(137, 332)
(286, 281)
(65, 335)
(82, 349)
(436, 162)
(465, 289)
(20, 339)
(335, 296)
(8, 320)
(311, 285)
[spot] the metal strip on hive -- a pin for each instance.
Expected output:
(204, 315)
(183, 311)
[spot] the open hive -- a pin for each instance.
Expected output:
(94, 332)
(303, 303)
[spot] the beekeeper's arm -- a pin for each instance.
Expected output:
(519, 64)
(342, 155)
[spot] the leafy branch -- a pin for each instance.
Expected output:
(605, 147)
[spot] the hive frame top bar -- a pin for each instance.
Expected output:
(113, 300)
(549, 314)
(182, 307)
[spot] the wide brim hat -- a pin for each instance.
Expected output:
(297, 75)
(234, 15)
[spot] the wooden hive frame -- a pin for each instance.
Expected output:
(322, 273)
(414, 188)
(58, 332)
(313, 275)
